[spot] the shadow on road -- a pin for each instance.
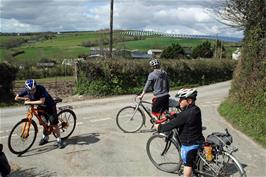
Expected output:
(31, 172)
(40, 150)
(84, 139)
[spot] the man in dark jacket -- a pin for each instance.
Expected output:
(189, 125)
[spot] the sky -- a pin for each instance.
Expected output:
(165, 16)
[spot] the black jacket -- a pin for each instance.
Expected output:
(189, 126)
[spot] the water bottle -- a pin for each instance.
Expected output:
(208, 152)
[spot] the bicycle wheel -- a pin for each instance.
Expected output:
(231, 166)
(19, 141)
(223, 165)
(129, 119)
(164, 153)
(67, 123)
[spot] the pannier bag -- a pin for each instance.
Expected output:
(219, 139)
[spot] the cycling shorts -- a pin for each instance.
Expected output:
(52, 114)
(188, 154)
(160, 104)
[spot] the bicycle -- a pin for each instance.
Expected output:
(163, 150)
(23, 134)
(131, 119)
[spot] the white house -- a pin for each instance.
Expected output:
(236, 54)
(155, 52)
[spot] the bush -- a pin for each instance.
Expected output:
(6, 82)
(109, 77)
(172, 52)
(203, 50)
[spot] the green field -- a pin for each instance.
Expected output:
(69, 45)
(158, 43)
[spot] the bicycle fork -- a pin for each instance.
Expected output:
(26, 129)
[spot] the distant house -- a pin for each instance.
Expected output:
(156, 53)
(236, 54)
(188, 51)
(140, 55)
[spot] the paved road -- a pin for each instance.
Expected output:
(99, 148)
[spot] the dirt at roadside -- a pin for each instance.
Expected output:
(62, 89)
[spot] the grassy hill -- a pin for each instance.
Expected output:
(70, 45)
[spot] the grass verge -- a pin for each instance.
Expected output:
(252, 122)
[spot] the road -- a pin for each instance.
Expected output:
(98, 148)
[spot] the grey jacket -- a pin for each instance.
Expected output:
(159, 82)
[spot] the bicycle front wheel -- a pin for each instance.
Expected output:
(164, 153)
(22, 136)
(67, 123)
(129, 119)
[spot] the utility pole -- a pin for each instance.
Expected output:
(111, 29)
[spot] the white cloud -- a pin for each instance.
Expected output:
(183, 16)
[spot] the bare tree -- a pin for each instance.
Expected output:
(240, 13)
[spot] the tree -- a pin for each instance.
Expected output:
(247, 91)
(203, 50)
(173, 51)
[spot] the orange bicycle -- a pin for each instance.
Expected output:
(23, 134)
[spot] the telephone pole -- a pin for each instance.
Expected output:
(111, 29)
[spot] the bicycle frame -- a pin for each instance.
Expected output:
(140, 106)
(32, 111)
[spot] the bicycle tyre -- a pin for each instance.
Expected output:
(230, 168)
(64, 123)
(169, 154)
(232, 162)
(15, 149)
(123, 117)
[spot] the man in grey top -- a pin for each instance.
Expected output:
(159, 82)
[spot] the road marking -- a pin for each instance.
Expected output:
(4, 131)
(79, 123)
(98, 120)
(2, 137)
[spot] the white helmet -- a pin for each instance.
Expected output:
(155, 63)
(187, 93)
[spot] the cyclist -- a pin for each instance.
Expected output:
(189, 125)
(36, 94)
(158, 80)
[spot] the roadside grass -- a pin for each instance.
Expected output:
(252, 122)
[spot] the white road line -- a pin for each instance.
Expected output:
(79, 123)
(103, 119)
(2, 137)
(4, 131)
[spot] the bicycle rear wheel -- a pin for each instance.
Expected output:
(20, 139)
(223, 165)
(129, 119)
(231, 166)
(164, 153)
(67, 123)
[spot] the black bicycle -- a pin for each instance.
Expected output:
(163, 150)
(131, 119)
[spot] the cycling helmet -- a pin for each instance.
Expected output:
(30, 84)
(155, 63)
(187, 93)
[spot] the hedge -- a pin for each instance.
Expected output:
(112, 77)
(8, 75)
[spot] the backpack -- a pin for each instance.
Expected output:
(219, 139)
